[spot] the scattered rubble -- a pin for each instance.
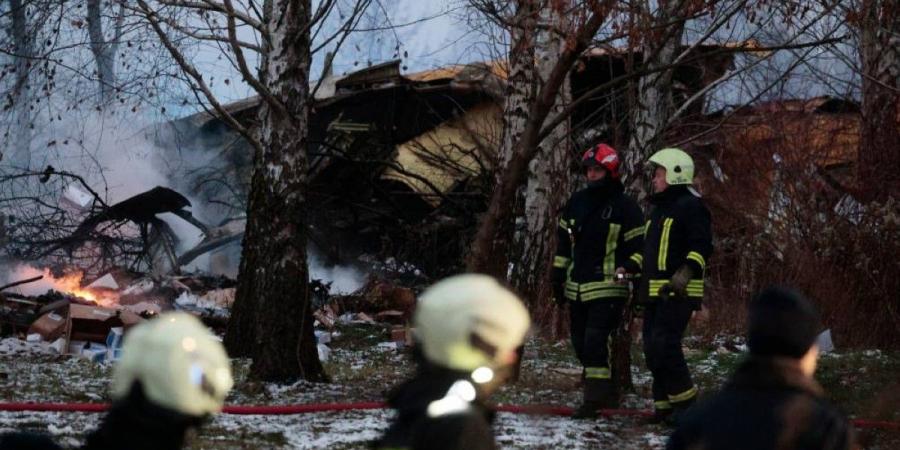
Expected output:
(90, 317)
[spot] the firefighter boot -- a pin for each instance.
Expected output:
(598, 394)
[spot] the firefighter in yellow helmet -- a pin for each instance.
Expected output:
(467, 330)
(677, 245)
(174, 373)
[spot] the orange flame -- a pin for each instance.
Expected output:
(71, 284)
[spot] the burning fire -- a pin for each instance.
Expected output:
(68, 284)
(71, 284)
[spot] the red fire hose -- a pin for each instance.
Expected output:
(269, 410)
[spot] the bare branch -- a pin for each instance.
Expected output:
(197, 78)
(209, 5)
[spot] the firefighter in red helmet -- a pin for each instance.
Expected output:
(600, 229)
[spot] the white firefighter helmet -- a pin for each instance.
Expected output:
(470, 321)
(678, 164)
(179, 363)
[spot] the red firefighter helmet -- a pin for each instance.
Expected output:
(602, 156)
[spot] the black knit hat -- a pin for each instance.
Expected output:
(782, 323)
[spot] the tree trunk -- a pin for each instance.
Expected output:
(548, 176)
(104, 52)
(649, 118)
(653, 106)
(520, 94)
(272, 318)
(490, 250)
(20, 153)
(879, 158)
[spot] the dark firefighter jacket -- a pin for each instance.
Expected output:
(678, 232)
(600, 228)
(768, 404)
(416, 427)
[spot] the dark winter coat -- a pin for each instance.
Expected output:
(415, 429)
(768, 404)
(135, 423)
(677, 233)
(600, 228)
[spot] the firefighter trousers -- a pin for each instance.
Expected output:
(591, 324)
(664, 325)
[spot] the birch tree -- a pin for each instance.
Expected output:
(548, 173)
(659, 43)
(490, 250)
(271, 320)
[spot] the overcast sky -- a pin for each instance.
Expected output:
(427, 34)
(424, 34)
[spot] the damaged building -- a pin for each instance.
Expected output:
(401, 163)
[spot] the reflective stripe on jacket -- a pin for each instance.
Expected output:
(599, 230)
(677, 233)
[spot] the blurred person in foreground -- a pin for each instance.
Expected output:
(467, 330)
(772, 400)
(174, 374)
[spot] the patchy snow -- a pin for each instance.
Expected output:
(357, 429)
(15, 346)
(363, 366)
(872, 353)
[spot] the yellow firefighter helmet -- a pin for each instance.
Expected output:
(179, 363)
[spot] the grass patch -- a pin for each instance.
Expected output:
(863, 383)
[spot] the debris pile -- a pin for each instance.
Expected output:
(90, 317)
(379, 301)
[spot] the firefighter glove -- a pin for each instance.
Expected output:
(678, 283)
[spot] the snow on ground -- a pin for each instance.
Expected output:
(354, 429)
(363, 367)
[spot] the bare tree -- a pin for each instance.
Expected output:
(491, 248)
(103, 49)
(23, 49)
(653, 105)
(548, 173)
(271, 320)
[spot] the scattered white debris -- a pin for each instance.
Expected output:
(324, 352)
(143, 286)
(322, 337)
(76, 197)
(872, 353)
(186, 299)
(106, 281)
(383, 346)
(824, 342)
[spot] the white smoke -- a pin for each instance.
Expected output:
(343, 279)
